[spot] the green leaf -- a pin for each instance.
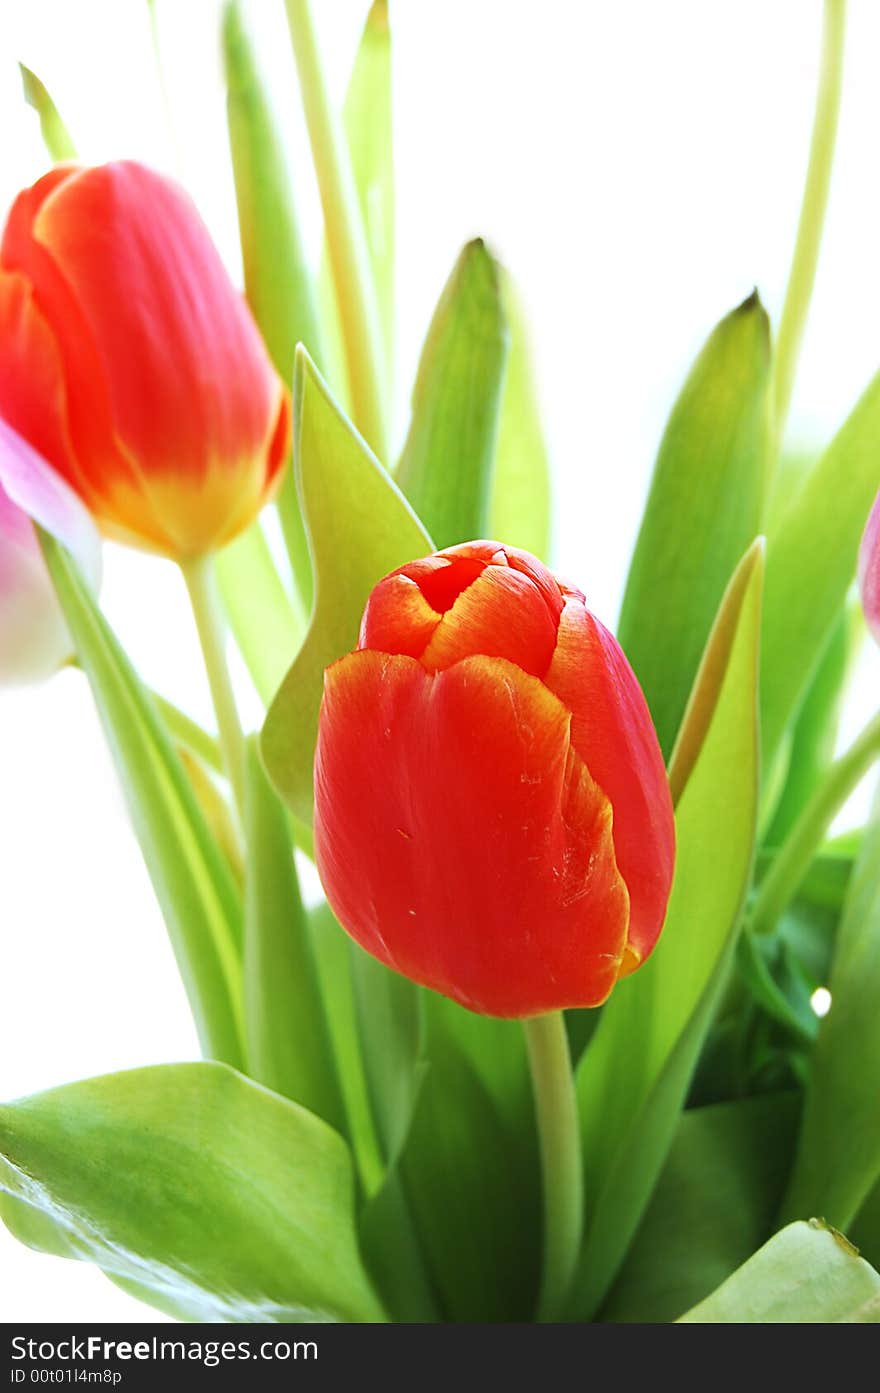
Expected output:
(389, 1016)
(811, 563)
(190, 875)
(367, 121)
(218, 1199)
(838, 1158)
(713, 1206)
(56, 136)
(703, 511)
(520, 510)
(288, 1042)
(814, 737)
(267, 628)
(360, 527)
(333, 953)
(470, 1173)
(808, 1274)
(278, 280)
(448, 459)
(369, 129)
(634, 1074)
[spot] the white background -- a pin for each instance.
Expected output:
(637, 165)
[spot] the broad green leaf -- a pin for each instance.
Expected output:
(288, 1041)
(389, 1016)
(520, 509)
(471, 1177)
(703, 511)
(634, 1074)
(449, 456)
(190, 875)
(808, 1274)
(267, 628)
(360, 527)
(333, 952)
(814, 736)
(393, 1254)
(838, 1158)
(56, 136)
(277, 277)
(369, 129)
(811, 563)
(218, 1199)
(713, 1206)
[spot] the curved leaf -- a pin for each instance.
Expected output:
(277, 277)
(634, 1074)
(704, 509)
(520, 508)
(288, 1042)
(811, 563)
(713, 1206)
(449, 456)
(143, 1172)
(56, 137)
(808, 1274)
(190, 875)
(360, 527)
(369, 129)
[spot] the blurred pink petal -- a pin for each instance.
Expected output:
(869, 570)
(34, 641)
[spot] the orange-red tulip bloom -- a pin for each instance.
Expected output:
(492, 813)
(131, 363)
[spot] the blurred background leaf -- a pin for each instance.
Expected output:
(703, 510)
(447, 464)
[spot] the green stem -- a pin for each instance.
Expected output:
(793, 860)
(346, 240)
(813, 206)
(561, 1162)
(200, 582)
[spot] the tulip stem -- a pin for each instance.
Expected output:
(201, 584)
(805, 258)
(346, 239)
(793, 860)
(561, 1161)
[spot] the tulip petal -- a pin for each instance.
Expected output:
(33, 393)
(500, 614)
(518, 560)
(459, 837)
(34, 641)
(398, 618)
(869, 570)
(152, 288)
(35, 488)
(612, 732)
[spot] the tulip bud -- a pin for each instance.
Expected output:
(34, 641)
(492, 816)
(869, 570)
(131, 363)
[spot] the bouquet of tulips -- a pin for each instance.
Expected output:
(557, 1044)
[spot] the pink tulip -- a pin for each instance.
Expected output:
(34, 641)
(869, 570)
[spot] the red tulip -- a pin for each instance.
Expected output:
(129, 360)
(492, 814)
(869, 570)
